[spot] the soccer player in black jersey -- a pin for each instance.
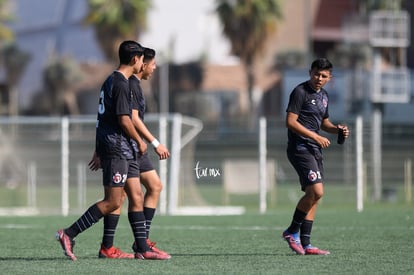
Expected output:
(148, 175)
(115, 140)
(307, 114)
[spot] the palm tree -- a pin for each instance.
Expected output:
(14, 61)
(248, 24)
(5, 16)
(59, 77)
(116, 21)
(381, 4)
(12, 57)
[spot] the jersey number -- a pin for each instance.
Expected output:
(101, 106)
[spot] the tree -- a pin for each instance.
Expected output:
(5, 16)
(14, 61)
(116, 21)
(381, 4)
(248, 24)
(12, 57)
(59, 77)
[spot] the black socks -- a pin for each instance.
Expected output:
(89, 218)
(137, 222)
(298, 218)
(110, 223)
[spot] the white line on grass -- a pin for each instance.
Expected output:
(202, 227)
(17, 226)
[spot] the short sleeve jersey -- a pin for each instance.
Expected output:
(114, 100)
(311, 107)
(138, 99)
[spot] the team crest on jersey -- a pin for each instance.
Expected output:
(325, 103)
(312, 175)
(117, 178)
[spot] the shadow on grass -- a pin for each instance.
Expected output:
(59, 258)
(29, 259)
(231, 254)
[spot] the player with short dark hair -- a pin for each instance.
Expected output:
(148, 175)
(115, 139)
(307, 114)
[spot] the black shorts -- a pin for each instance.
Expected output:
(308, 163)
(134, 170)
(116, 171)
(145, 163)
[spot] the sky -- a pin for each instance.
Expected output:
(191, 26)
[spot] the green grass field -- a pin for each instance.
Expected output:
(377, 241)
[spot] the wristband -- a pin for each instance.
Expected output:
(155, 143)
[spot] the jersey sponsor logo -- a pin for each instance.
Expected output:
(118, 178)
(313, 101)
(312, 175)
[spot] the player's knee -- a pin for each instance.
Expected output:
(136, 199)
(314, 192)
(116, 203)
(155, 187)
(108, 206)
(317, 194)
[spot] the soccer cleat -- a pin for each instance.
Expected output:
(312, 250)
(67, 244)
(293, 241)
(114, 253)
(152, 246)
(151, 255)
(156, 249)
